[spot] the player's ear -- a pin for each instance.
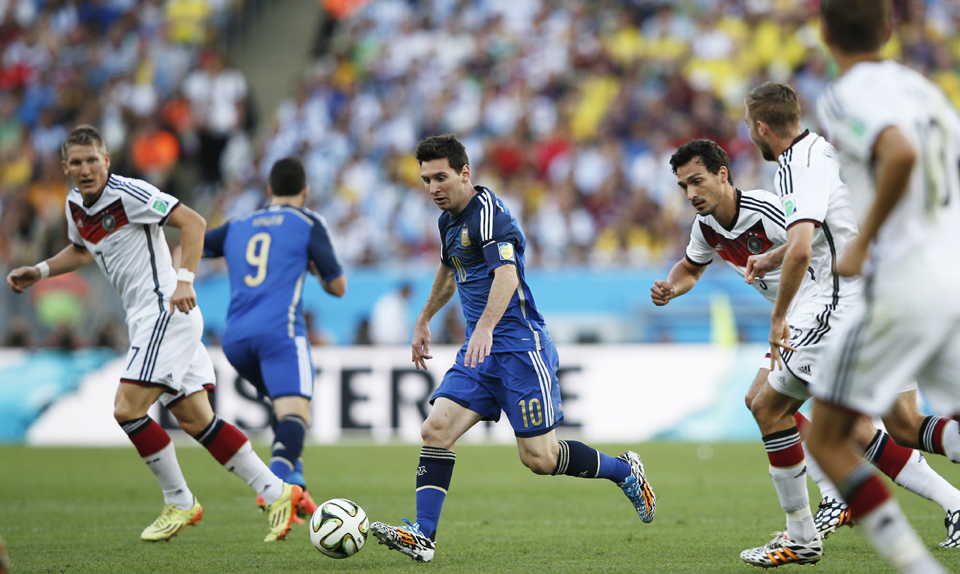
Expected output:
(63, 164)
(465, 173)
(106, 160)
(269, 191)
(723, 174)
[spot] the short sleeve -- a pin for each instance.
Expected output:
(214, 240)
(444, 257)
(72, 232)
(804, 195)
(500, 237)
(699, 252)
(156, 209)
(852, 124)
(321, 251)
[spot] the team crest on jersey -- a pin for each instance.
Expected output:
(464, 237)
(754, 245)
(506, 251)
(109, 222)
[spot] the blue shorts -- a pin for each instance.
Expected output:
(276, 366)
(523, 384)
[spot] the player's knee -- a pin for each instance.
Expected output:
(538, 464)
(124, 411)
(436, 435)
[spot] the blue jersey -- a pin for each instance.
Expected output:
(267, 255)
(476, 241)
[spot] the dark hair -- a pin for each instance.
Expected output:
(287, 177)
(776, 105)
(83, 135)
(856, 25)
(440, 147)
(711, 155)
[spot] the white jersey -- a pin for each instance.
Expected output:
(759, 225)
(809, 185)
(122, 232)
(914, 249)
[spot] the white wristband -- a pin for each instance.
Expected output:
(44, 269)
(185, 275)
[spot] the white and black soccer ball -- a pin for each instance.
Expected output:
(339, 528)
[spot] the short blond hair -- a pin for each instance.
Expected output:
(776, 105)
(83, 135)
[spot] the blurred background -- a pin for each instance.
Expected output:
(569, 111)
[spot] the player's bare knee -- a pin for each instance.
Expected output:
(537, 463)
(436, 435)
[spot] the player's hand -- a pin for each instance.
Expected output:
(481, 341)
(779, 338)
(421, 345)
(851, 262)
(184, 297)
(662, 292)
(758, 266)
(22, 277)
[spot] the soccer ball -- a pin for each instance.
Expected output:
(339, 528)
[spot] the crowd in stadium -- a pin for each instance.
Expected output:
(569, 111)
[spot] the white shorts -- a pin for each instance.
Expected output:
(165, 351)
(812, 327)
(875, 355)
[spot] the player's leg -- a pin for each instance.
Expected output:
(230, 447)
(459, 403)
(773, 409)
(181, 508)
(293, 420)
(884, 524)
(833, 512)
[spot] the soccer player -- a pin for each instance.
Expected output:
(509, 362)
(742, 226)
(115, 222)
(899, 144)
(820, 221)
(268, 254)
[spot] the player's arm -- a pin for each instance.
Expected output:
(894, 158)
(71, 258)
(505, 283)
(796, 261)
(337, 286)
(759, 265)
(191, 225)
(444, 286)
(681, 279)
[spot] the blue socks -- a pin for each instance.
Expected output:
(580, 460)
(433, 481)
(287, 448)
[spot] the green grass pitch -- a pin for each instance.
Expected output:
(81, 510)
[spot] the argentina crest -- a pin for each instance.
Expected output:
(464, 237)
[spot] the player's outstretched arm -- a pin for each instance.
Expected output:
(191, 225)
(894, 158)
(69, 259)
(444, 286)
(505, 283)
(681, 279)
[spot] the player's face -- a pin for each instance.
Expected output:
(89, 169)
(758, 140)
(702, 188)
(447, 188)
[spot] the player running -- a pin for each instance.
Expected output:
(742, 226)
(509, 362)
(268, 254)
(899, 143)
(115, 222)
